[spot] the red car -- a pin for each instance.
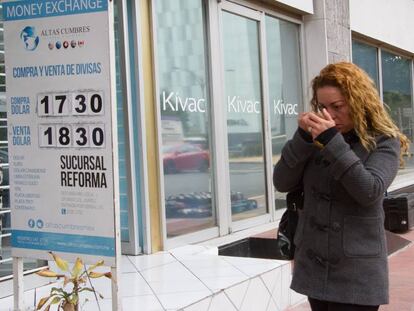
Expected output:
(184, 157)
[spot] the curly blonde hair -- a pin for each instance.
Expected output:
(367, 111)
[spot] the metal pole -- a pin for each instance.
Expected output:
(115, 268)
(116, 299)
(18, 287)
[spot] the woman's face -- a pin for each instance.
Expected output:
(331, 98)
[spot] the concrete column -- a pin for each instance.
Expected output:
(327, 35)
(338, 30)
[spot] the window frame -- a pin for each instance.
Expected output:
(219, 156)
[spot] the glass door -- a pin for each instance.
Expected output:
(185, 122)
(243, 107)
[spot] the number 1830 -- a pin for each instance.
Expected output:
(66, 135)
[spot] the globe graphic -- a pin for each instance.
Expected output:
(29, 38)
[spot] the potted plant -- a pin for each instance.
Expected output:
(74, 282)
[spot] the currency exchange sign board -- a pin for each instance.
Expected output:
(60, 116)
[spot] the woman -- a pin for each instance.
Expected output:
(345, 153)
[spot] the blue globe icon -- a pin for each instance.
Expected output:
(30, 38)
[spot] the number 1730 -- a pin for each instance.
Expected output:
(66, 104)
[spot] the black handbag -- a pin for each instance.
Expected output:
(285, 248)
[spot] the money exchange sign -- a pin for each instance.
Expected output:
(60, 116)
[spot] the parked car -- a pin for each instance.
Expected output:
(199, 204)
(240, 204)
(189, 205)
(197, 141)
(184, 157)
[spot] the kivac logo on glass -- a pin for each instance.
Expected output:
(30, 38)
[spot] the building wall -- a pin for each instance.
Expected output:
(327, 36)
(385, 21)
(338, 30)
(302, 5)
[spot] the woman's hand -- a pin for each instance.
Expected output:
(303, 121)
(318, 123)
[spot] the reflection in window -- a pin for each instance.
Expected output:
(396, 85)
(285, 95)
(185, 115)
(397, 92)
(122, 149)
(5, 225)
(365, 56)
(243, 98)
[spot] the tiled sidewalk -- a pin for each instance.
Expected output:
(188, 278)
(194, 278)
(401, 265)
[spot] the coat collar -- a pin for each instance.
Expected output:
(354, 142)
(351, 137)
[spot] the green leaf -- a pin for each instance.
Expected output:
(57, 290)
(56, 300)
(74, 299)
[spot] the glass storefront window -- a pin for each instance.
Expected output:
(185, 115)
(285, 88)
(123, 179)
(365, 56)
(396, 82)
(243, 98)
(397, 93)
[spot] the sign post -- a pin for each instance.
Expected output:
(18, 283)
(60, 86)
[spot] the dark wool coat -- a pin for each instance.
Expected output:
(341, 253)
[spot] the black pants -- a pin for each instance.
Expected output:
(319, 305)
